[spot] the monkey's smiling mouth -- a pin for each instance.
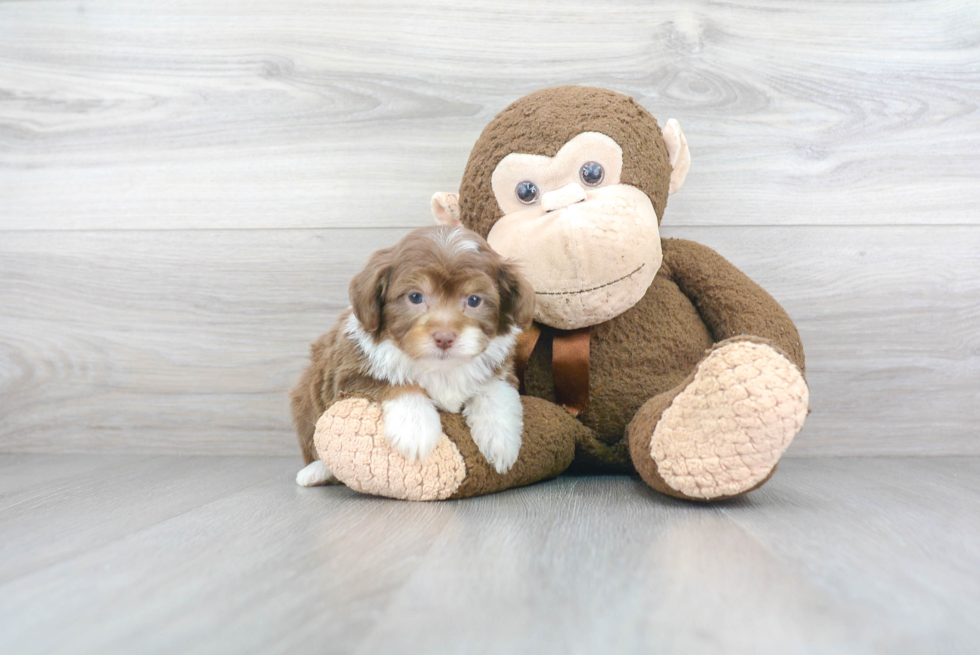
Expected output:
(595, 288)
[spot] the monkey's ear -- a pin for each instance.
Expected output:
(680, 156)
(445, 207)
(368, 290)
(517, 298)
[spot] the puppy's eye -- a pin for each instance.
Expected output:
(592, 173)
(474, 301)
(416, 298)
(527, 192)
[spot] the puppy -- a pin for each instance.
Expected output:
(432, 325)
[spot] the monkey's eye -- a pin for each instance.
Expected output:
(416, 298)
(474, 301)
(592, 173)
(527, 192)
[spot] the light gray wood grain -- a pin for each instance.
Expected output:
(340, 114)
(187, 341)
(17, 480)
(907, 524)
(601, 565)
(263, 566)
(72, 514)
(837, 555)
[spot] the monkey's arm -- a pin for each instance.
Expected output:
(729, 302)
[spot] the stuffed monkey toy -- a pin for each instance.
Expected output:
(648, 355)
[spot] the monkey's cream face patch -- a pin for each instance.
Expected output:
(588, 262)
(591, 251)
(554, 173)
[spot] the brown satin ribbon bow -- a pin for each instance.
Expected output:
(569, 365)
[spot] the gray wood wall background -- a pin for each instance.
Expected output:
(186, 188)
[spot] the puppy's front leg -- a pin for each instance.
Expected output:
(411, 422)
(496, 420)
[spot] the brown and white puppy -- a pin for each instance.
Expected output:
(432, 325)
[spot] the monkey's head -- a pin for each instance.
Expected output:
(572, 183)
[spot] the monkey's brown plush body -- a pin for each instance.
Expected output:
(669, 361)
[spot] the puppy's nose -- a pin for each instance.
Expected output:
(444, 340)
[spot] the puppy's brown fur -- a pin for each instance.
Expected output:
(446, 266)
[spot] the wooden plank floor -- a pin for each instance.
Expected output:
(184, 554)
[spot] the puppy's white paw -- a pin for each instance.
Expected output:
(496, 420)
(412, 425)
(315, 475)
(500, 447)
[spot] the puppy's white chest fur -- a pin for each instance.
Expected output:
(449, 384)
(492, 409)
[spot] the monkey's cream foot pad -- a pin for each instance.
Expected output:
(350, 440)
(726, 431)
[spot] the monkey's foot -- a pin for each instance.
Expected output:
(350, 440)
(722, 432)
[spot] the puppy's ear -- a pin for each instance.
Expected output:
(368, 290)
(516, 297)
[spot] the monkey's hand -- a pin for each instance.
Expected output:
(350, 440)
